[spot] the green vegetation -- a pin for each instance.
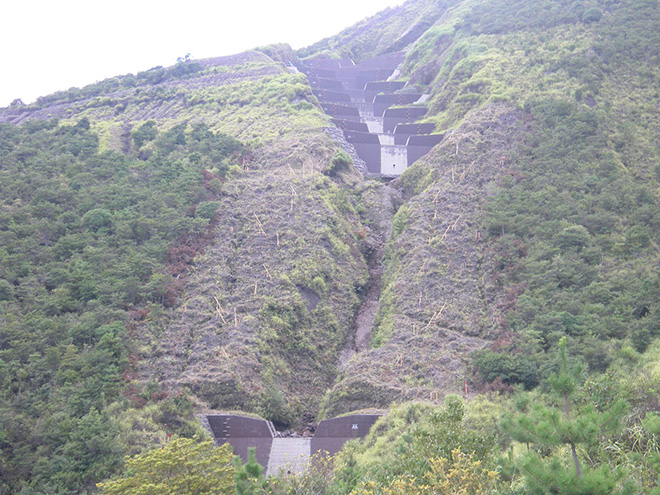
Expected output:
(183, 466)
(391, 30)
(153, 265)
(91, 244)
(574, 221)
(559, 439)
(562, 425)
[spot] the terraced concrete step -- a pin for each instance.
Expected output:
(290, 455)
(375, 125)
(393, 160)
(386, 139)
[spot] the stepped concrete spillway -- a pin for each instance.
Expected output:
(376, 114)
(290, 455)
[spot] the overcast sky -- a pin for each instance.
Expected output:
(51, 45)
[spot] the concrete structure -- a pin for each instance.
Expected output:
(325, 83)
(291, 454)
(387, 60)
(344, 112)
(393, 159)
(373, 88)
(332, 434)
(418, 146)
(329, 63)
(394, 116)
(349, 125)
(403, 131)
(368, 147)
(242, 433)
(384, 101)
(324, 73)
(327, 95)
(359, 97)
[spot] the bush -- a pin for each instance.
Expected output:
(145, 133)
(510, 368)
(341, 161)
(573, 237)
(207, 209)
(592, 15)
(96, 219)
(6, 290)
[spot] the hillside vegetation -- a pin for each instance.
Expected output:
(538, 217)
(103, 213)
(191, 239)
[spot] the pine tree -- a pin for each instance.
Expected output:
(565, 425)
(250, 479)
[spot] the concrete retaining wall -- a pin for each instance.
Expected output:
(350, 125)
(289, 453)
(394, 116)
(332, 434)
(325, 83)
(393, 160)
(403, 131)
(242, 433)
(328, 95)
(384, 101)
(341, 111)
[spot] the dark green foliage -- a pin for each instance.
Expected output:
(562, 423)
(592, 15)
(97, 218)
(340, 162)
(510, 368)
(84, 237)
(145, 133)
(566, 228)
(207, 209)
(88, 246)
(250, 478)
(6, 290)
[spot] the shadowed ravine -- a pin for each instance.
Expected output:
(382, 206)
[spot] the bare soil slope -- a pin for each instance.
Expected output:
(439, 300)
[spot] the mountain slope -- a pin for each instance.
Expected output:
(234, 274)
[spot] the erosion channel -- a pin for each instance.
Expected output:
(381, 202)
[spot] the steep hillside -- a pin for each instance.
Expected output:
(537, 217)
(440, 300)
(106, 319)
(391, 30)
(196, 238)
(270, 305)
(574, 219)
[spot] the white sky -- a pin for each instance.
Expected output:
(51, 45)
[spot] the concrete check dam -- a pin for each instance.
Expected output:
(291, 455)
(377, 113)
